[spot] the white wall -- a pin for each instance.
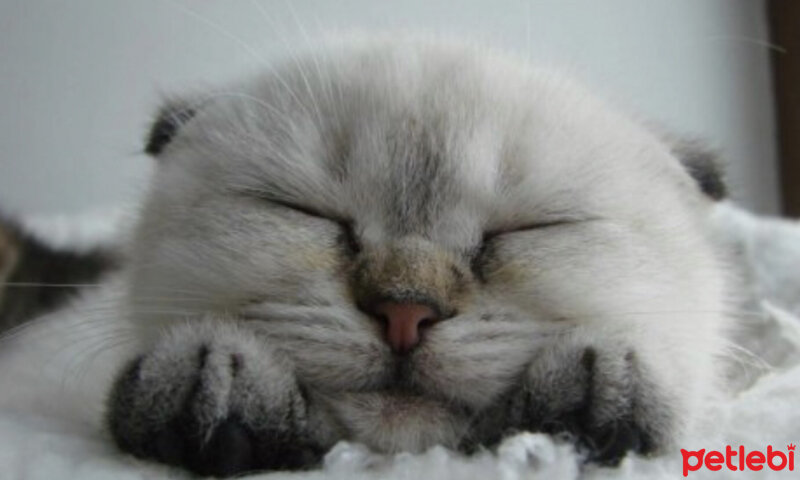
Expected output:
(80, 78)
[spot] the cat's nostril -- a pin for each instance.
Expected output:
(404, 322)
(426, 322)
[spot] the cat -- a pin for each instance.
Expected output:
(41, 278)
(410, 242)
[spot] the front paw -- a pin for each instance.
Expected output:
(600, 397)
(211, 398)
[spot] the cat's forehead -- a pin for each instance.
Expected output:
(414, 139)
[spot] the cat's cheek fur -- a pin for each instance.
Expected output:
(490, 350)
(649, 292)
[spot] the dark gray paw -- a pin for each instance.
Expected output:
(598, 398)
(213, 401)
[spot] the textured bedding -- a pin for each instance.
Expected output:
(53, 438)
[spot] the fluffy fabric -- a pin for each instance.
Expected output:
(763, 413)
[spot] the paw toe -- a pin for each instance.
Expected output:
(608, 445)
(228, 452)
(168, 446)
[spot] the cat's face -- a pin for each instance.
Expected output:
(509, 202)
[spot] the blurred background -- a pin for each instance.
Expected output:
(80, 79)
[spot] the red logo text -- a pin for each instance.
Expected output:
(738, 459)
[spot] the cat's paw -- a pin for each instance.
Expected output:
(214, 399)
(601, 397)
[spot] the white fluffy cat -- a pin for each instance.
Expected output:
(401, 243)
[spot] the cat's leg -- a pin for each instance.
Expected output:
(215, 399)
(601, 393)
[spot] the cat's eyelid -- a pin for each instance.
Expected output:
(346, 224)
(304, 209)
(536, 226)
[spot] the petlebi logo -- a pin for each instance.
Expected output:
(738, 459)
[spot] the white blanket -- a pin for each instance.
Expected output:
(51, 438)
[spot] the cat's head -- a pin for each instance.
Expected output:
(418, 214)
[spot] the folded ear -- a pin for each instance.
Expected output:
(703, 164)
(168, 122)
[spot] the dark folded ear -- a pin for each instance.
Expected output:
(169, 120)
(703, 164)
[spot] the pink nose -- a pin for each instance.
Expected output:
(403, 321)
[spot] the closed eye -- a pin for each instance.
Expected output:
(348, 239)
(491, 234)
(305, 210)
(479, 254)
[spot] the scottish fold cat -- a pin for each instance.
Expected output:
(409, 242)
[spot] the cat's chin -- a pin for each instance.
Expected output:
(396, 420)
